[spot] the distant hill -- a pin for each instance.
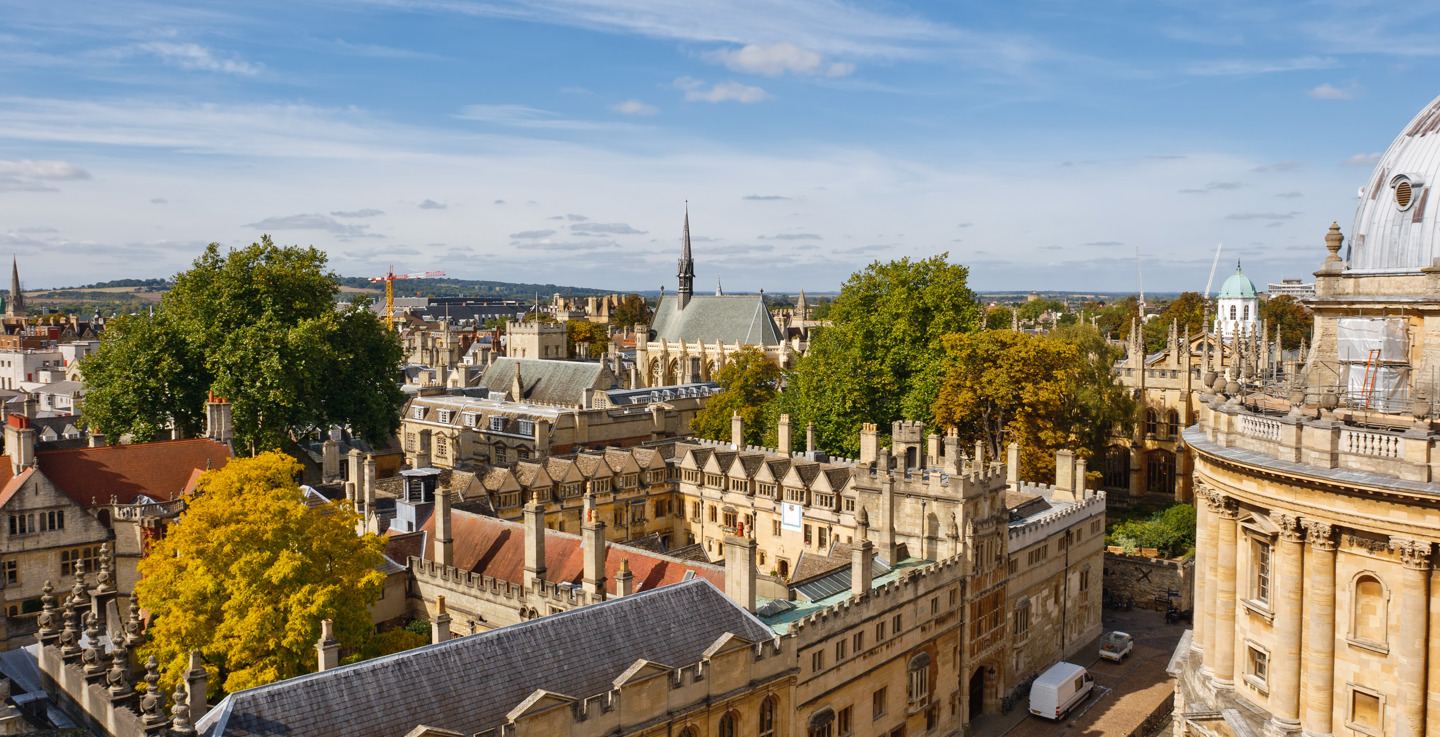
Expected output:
(445, 287)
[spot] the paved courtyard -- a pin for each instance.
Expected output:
(1125, 693)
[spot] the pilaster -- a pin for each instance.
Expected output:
(1223, 651)
(1412, 641)
(1285, 659)
(1319, 634)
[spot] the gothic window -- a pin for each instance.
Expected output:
(768, 707)
(1152, 423)
(1022, 620)
(727, 724)
(1160, 472)
(689, 732)
(1370, 610)
(1173, 420)
(1117, 467)
(822, 723)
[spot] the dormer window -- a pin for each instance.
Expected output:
(527, 427)
(418, 413)
(497, 423)
(470, 418)
(444, 415)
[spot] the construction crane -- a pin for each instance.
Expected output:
(1140, 280)
(390, 278)
(1211, 281)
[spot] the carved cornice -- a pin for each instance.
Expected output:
(1321, 535)
(1414, 554)
(1368, 543)
(1289, 525)
(1227, 508)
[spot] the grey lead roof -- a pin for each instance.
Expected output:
(552, 382)
(469, 684)
(741, 320)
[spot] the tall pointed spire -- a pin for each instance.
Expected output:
(719, 291)
(15, 306)
(687, 265)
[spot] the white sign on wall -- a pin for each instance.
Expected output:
(790, 515)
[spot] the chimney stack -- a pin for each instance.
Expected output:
(444, 539)
(869, 443)
(1064, 474)
(1079, 478)
(624, 580)
(809, 437)
(534, 544)
(328, 647)
(592, 546)
(782, 435)
(861, 571)
(1012, 466)
(440, 625)
(368, 484)
(330, 456)
(19, 443)
(737, 430)
(97, 440)
(740, 571)
(953, 464)
(217, 420)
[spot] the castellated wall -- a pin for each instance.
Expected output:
(1145, 579)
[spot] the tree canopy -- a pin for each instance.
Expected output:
(1291, 320)
(880, 360)
(584, 331)
(259, 327)
(748, 383)
(1043, 392)
(632, 310)
(1188, 310)
(248, 572)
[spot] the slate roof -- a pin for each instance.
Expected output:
(741, 320)
(553, 382)
(469, 684)
(496, 548)
(160, 470)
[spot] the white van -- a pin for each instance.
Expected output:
(1059, 689)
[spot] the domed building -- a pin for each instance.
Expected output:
(1237, 306)
(1319, 500)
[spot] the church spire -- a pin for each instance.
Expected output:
(15, 306)
(687, 265)
(719, 291)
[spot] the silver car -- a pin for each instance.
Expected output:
(1115, 646)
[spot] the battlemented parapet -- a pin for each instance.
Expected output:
(1048, 523)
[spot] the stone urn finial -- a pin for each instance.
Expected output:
(1329, 400)
(1333, 241)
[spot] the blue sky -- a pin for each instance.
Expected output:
(557, 141)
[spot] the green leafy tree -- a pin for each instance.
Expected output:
(1188, 310)
(258, 326)
(1170, 530)
(748, 383)
(1289, 319)
(880, 360)
(249, 571)
(998, 318)
(1042, 392)
(1035, 308)
(1114, 319)
(821, 308)
(584, 331)
(632, 310)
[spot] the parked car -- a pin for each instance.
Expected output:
(1059, 689)
(1116, 645)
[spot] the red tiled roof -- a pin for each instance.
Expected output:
(161, 470)
(12, 485)
(496, 548)
(401, 546)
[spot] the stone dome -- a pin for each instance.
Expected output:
(1394, 229)
(1238, 286)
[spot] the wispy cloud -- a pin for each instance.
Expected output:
(314, 221)
(522, 116)
(1328, 91)
(1286, 165)
(774, 59)
(11, 184)
(1363, 159)
(197, 57)
(368, 212)
(1104, 243)
(1262, 216)
(532, 234)
(1290, 195)
(634, 107)
(432, 205)
(1230, 67)
(763, 197)
(1214, 186)
(791, 237)
(695, 91)
(54, 170)
(606, 228)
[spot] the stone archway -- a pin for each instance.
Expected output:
(976, 698)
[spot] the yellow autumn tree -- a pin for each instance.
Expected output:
(248, 572)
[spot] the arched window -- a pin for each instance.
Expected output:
(768, 707)
(689, 732)
(1173, 420)
(1160, 472)
(1152, 422)
(821, 723)
(727, 724)
(1370, 610)
(1232, 312)
(919, 681)
(1117, 467)
(1246, 313)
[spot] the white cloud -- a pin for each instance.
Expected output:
(314, 221)
(197, 57)
(634, 107)
(432, 205)
(1330, 92)
(42, 170)
(775, 59)
(11, 184)
(368, 212)
(1230, 67)
(606, 228)
(1363, 159)
(695, 91)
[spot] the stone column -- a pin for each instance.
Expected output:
(1204, 546)
(1412, 641)
(1222, 650)
(1319, 628)
(1287, 588)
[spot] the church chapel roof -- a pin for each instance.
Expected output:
(470, 683)
(741, 320)
(496, 548)
(161, 470)
(552, 382)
